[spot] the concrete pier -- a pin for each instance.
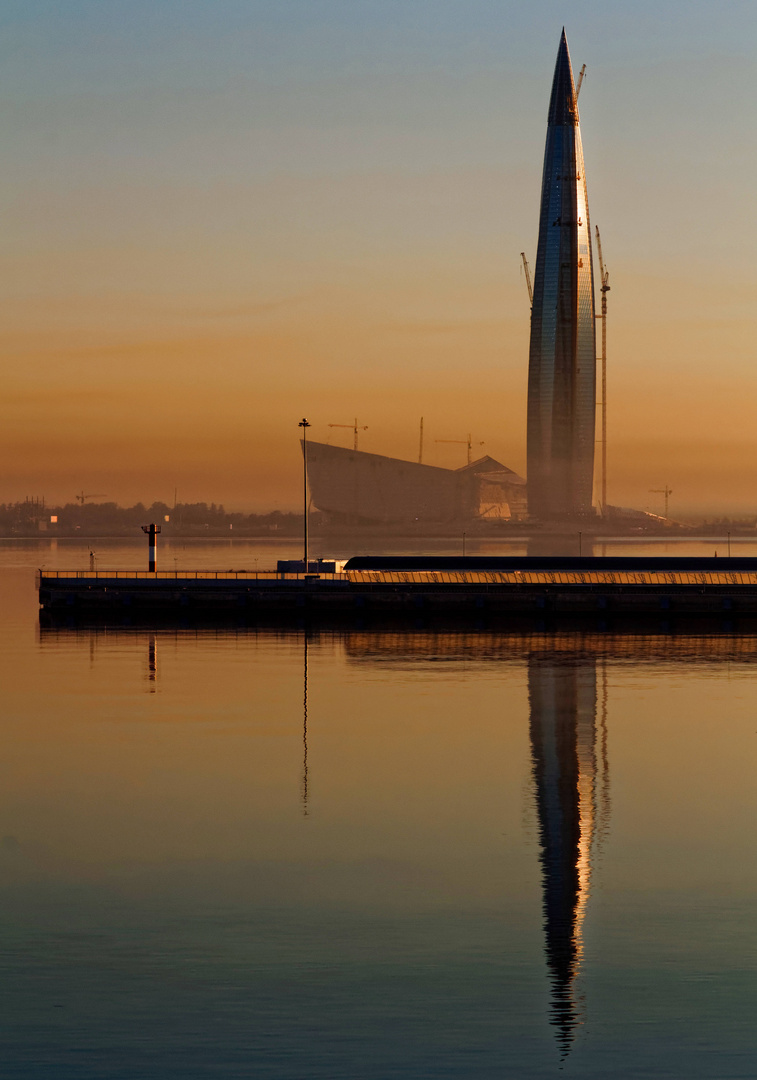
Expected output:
(424, 587)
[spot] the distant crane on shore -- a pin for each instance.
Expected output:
(462, 442)
(354, 428)
(81, 499)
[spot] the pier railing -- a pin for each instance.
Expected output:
(177, 575)
(581, 578)
(689, 579)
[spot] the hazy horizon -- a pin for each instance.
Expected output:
(220, 218)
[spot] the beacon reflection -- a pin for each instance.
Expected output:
(152, 663)
(568, 747)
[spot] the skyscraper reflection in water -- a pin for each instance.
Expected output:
(572, 801)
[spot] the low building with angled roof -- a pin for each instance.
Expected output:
(356, 488)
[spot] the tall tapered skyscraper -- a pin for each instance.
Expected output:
(562, 359)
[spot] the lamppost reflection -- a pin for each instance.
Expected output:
(305, 729)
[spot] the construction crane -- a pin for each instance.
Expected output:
(462, 442)
(581, 74)
(354, 428)
(667, 492)
(528, 278)
(604, 277)
(81, 499)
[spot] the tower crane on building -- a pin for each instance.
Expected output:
(528, 278)
(581, 74)
(667, 492)
(82, 498)
(354, 427)
(604, 288)
(461, 442)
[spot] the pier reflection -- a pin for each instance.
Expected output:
(305, 811)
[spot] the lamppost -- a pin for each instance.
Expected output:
(305, 425)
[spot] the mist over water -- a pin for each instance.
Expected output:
(290, 853)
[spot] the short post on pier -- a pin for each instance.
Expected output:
(152, 531)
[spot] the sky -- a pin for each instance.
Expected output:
(219, 216)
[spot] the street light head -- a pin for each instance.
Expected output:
(303, 422)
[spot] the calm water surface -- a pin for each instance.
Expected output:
(249, 853)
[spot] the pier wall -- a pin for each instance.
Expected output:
(410, 594)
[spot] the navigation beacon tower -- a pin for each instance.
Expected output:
(562, 358)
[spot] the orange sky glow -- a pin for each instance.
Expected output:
(195, 261)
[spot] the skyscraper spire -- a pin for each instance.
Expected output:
(563, 108)
(562, 359)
